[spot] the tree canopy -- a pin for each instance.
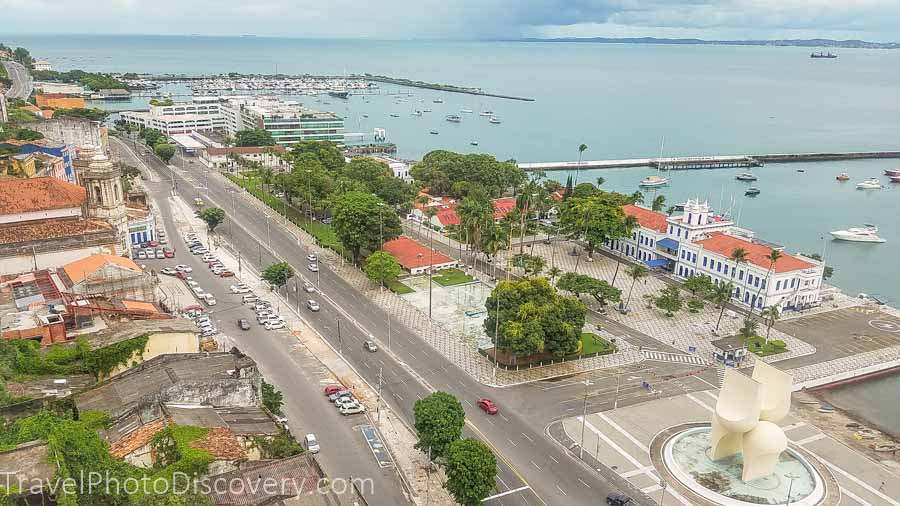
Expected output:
(213, 216)
(360, 223)
(278, 274)
(254, 137)
(439, 420)
(441, 171)
(582, 284)
(164, 150)
(595, 219)
(91, 114)
(382, 267)
(91, 80)
(533, 318)
(471, 471)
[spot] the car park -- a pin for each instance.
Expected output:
(199, 251)
(152, 244)
(262, 319)
(332, 389)
(353, 410)
(163, 240)
(183, 268)
(243, 324)
(168, 271)
(313, 267)
(312, 305)
(488, 406)
(311, 443)
(312, 258)
(370, 346)
(270, 325)
(341, 402)
(197, 290)
(249, 298)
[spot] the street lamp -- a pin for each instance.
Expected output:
(308, 195)
(268, 233)
(587, 383)
(381, 239)
(340, 341)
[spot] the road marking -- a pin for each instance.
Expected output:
(535, 465)
(508, 492)
(856, 480)
(528, 438)
(810, 439)
(651, 488)
(855, 497)
(397, 395)
(624, 432)
(795, 425)
(504, 418)
(553, 458)
(490, 421)
(561, 490)
(635, 472)
(367, 365)
(583, 483)
(511, 442)
(469, 403)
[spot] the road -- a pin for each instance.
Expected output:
(527, 456)
(22, 85)
(289, 367)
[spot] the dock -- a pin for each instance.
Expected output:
(709, 162)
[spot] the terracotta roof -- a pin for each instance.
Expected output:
(297, 475)
(243, 150)
(39, 194)
(221, 443)
(647, 218)
(502, 207)
(408, 251)
(50, 229)
(136, 305)
(30, 108)
(79, 269)
(448, 217)
(724, 245)
(136, 439)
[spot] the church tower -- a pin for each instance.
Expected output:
(105, 196)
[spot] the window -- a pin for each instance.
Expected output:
(719, 267)
(670, 229)
(704, 261)
(777, 285)
(741, 276)
(695, 258)
(764, 284)
(793, 282)
(756, 281)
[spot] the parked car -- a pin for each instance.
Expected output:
(313, 267)
(152, 244)
(168, 253)
(226, 274)
(370, 346)
(353, 410)
(333, 389)
(311, 443)
(209, 332)
(618, 499)
(199, 251)
(210, 300)
(270, 325)
(183, 268)
(249, 298)
(163, 240)
(181, 275)
(168, 271)
(262, 318)
(312, 305)
(341, 402)
(142, 255)
(339, 393)
(243, 324)
(191, 283)
(240, 289)
(312, 258)
(488, 406)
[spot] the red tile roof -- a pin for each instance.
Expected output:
(221, 443)
(80, 269)
(39, 194)
(647, 218)
(408, 251)
(448, 217)
(50, 229)
(136, 439)
(756, 253)
(502, 207)
(243, 150)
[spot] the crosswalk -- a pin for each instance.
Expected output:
(663, 356)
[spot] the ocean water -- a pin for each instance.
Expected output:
(623, 101)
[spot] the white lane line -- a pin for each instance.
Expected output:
(651, 488)
(856, 480)
(490, 421)
(508, 492)
(504, 418)
(562, 491)
(527, 437)
(855, 497)
(469, 403)
(810, 439)
(795, 425)
(583, 483)
(553, 458)
(622, 431)
(709, 393)
(535, 465)
(635, 472)
(511, 442)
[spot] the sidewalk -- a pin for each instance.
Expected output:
(399, 438)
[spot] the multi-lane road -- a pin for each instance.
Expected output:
(532, 467)
(22, 85)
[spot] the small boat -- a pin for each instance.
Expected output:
(843, 176)
(801, 170)
(892, 173)
(868, 233)
(870, 184)
(453, 118)
(395, 115)
(474, 143)
(417, 113)
(494, 120)
(466, 111)
(486, 113)
(339, 94)
(433, 132)
(365, 115)
(895, 179)
(426, 110)
(752, 191)
(821, 54)
(653, 181)
(438, 101)
(746, 176)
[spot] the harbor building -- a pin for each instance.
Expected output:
(699, 242)
(201, 114)
(288, 121)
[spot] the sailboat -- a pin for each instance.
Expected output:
(656, 180)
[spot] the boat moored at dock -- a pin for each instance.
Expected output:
(653, 182)
(746, 176)
(870, 184)
(868, 233)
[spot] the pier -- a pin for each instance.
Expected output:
(710, 162)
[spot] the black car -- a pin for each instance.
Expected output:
(243, 324)
(617, 499)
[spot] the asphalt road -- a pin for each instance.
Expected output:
(22, 85)
(298, 375)
(527, 456)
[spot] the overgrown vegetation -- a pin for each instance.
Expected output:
(272, 399)
(93, 113)
(19, 133)
(279, 447)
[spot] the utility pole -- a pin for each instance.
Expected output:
(430, 267)
(587, 383)
(378, 403)
(340, 341)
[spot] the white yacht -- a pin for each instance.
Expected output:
(495, 120)
(653, 181)
(870, 184)
(869, 233)
(486, 113)
(474, 143)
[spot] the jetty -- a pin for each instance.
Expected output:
(709, 162)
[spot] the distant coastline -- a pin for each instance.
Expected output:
(817, 43)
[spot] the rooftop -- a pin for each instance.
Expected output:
(39, 194)
(647, 218)
(242, 421)
(80, 269)
(27, 463)
(46, 230)
(122, 331)
(729, 343)
(757, 254)
(299, 474)
(137, 439)
(413, 255)
(221, 443)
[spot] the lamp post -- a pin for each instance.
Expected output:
(340, 341)
(587, 383)
(792, 477)
(308, 195)
(268, 233)
(381, 238)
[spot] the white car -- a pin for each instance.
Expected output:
(183, 268)
(312, 305)
(250, 298)
(191, 283)
(197, 290)
(210, 301)
(313, 267)
(308, 288)
(312, 444)
(274, 325)
(353, 410)
(142, 255)
(208, 258)
(168, 271)
(240, 289)
(160, 254)
(312, 258)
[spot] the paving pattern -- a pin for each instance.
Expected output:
(661, 356)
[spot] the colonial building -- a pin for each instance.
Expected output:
(700, 242)
(103, 182)
(111, 276)
(267, 156)
(48, 147)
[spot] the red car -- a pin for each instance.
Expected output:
(153, 244)
(169, 253)
(181, 275)
(332, 389)
(488, 406)
(226, 274)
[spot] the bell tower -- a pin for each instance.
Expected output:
(105, 196)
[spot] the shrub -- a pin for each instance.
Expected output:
(778, 343)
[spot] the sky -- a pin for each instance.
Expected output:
(874, 20)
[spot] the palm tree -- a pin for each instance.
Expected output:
(637, 198)
(581, 149)
(749, 328)
(553, 272)
(600, 181)
(658, 203)
(492, 241)
(739, 255)
(474, 213)
(773, 257)
(770, 315)
(636, 272)
(722, 293)
(266, 176)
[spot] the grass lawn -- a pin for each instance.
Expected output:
(450, 277)
(592, 343)
(398, 287)
(758, 346)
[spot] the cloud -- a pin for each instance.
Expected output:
(404, 19)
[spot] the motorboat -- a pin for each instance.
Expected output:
(426, 110)
(466, 111)
(868, 233)
(438, 101)
(495, 120)
(752, 191)
(892, 172)
(870, 184)
(653, 181)
(453, 118)
(746, 176)
(417, 113)
(843, 176)
(433, 132)
(365, 115)
(486, 113)
(801, 170)
(394, 115)
(474, 143)
(895, 179)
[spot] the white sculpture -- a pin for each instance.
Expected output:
(746, 416)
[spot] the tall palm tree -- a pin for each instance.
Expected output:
(771, 315)
(637, 198)
(266, 176)
(493, 240)
(635, 272)
(581, 149)
(739, 256)
(722, 293)
(658, 203)
(773, 257)
(474, 214)
(600, 181)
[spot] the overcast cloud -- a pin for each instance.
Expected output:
(462, 19)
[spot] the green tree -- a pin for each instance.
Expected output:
(22, 56)
(165, 151)
(254, 137)
(582, 284)
(471, 471)
(695, 305)
(770, 315)
(595, 219)
(773, 258)
(637, 198)
(213, 216)
(554, 272)
(748, 328)
(669, 300)
(532, 317)
(440, 170)
(828, 271)
(701, 286)
(722, 293)
(581, 149)
(272, 399)
(439, 420)
(360, 223)
(325, 152)
(476, 214)
(635, 272)
(382, 267)
(531, 264)
(93, 114)
(659, 202)
(152, 137)
(278, 274)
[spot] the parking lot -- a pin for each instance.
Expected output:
(842, 333)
